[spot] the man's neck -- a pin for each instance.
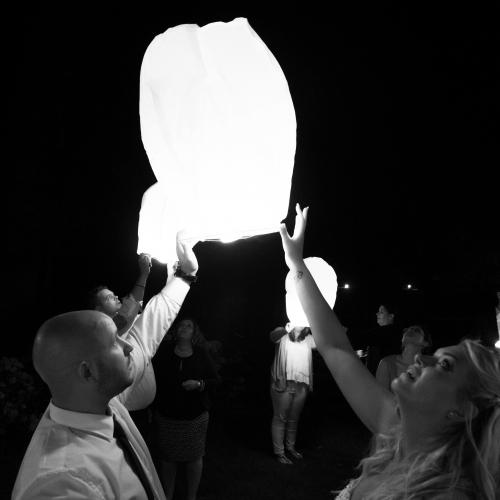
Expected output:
(81, 405)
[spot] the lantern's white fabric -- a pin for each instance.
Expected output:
(218, 126)
(325, 278)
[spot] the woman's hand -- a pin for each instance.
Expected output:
(294, 246)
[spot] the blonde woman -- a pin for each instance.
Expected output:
(438, 435)
(414, 340)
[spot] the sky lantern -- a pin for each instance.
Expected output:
(219, 129)
(325, 278)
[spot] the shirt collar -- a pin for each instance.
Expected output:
(101, 425)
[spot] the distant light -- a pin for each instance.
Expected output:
(497, 344)
(347, 286)
(409, 286)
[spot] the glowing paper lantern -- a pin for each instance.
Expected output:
(218, 126)
(325, 278)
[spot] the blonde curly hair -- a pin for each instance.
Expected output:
(464, 461)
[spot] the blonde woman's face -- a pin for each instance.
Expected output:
(434, 385)
(413, 337)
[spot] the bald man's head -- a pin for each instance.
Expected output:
(66, 339)
(80, 347)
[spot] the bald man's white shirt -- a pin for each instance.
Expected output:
(145, 336)
(74, 455)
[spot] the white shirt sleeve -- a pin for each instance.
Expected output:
(145, 337)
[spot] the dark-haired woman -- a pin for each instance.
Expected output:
(185, 373)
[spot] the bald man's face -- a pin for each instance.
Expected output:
(113, 363)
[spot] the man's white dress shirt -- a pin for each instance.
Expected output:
(74, 455)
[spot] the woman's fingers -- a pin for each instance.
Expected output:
(284, 232)
(300, 221)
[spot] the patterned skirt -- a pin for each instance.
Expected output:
(180, 440)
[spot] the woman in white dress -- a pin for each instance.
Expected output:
(291, 381)
(438, 435)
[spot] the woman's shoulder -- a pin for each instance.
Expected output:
(390, 360)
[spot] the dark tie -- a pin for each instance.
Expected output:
(131, 457)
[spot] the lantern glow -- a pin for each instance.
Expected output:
(325, 278)
(218, 126)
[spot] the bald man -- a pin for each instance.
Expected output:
(91, 372)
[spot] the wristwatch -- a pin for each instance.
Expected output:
(188, 278)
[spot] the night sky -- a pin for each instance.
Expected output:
(397, 156)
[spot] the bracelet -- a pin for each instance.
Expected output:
(188, 278)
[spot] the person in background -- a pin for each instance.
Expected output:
(124, 313)
(147, 330)
(186, 375)
(487, 324)
(437, 436)
(291, 381)
(101, 298)
(384, 339)
(414, 340)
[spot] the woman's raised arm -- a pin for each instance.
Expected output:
(373, 404)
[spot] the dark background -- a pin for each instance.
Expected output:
(397, 114)
(397, 111)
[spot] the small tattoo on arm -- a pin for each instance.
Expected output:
(299, 275)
